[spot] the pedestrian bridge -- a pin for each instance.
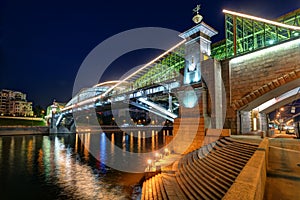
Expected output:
(258, 61)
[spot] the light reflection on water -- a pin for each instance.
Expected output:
(61, 167)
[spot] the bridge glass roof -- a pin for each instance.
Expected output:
(245, 33)
(162, 70)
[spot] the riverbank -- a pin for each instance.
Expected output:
(132, 184)
(115, 128)
(23, 130)
(21, 121)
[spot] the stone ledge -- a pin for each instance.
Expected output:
(250, 184)
(218, 132)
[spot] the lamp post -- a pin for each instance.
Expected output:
(166, 151)
(149, 161)
(157, 156)
(88, 120)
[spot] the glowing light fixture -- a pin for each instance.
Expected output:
(149, 161)
(271, 41)
(254, 124)
(105, 83)
(167, 151)
(192, 67)
(293, 109)
(268, 51)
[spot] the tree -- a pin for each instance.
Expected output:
(39, 111)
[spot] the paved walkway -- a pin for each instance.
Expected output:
(283, 176)
(165, 163)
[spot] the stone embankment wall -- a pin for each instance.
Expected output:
(250, 184)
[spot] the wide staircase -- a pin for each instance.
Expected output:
(206, 173)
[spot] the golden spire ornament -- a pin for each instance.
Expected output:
(197, 18)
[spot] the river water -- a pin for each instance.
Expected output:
(61, 166)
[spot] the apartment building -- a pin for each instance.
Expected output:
(14, 103)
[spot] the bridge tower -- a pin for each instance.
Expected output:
(193, 92)
(197, 48)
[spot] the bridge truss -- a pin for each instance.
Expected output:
(246, 33)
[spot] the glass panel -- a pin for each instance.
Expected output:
(164, 70)
(259, 36)
(283, 34)
(239, 35)
(252, 35)
(271, 34)
(219, 50)
(295, 34)
(248, 35)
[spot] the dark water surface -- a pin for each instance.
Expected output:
(61, 166)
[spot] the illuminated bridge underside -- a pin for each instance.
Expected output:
(291, 79)
(245, 33)
(283, 99)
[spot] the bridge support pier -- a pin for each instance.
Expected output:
(53, 128)
(68, 126)
(170, 102)
(216, 95)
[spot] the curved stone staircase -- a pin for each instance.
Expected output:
(206, 173)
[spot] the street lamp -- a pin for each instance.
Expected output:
(149, 161)
(166, 151)
(157, 156)
(88, 120)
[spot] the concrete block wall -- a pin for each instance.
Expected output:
(263, 123)
(246, 125)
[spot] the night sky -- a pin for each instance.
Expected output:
(43, 43)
